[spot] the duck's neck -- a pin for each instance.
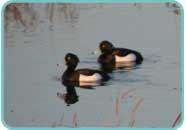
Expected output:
(70, 68)
(107, 52)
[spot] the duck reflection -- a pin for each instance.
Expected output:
(109, 68)
(70, 97)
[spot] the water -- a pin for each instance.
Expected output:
(34, 95)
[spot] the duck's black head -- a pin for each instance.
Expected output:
(71, 60)
(105, 46)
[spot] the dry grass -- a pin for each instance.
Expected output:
(74, 120)
(175, 8)
(134, 110)
(116, 108)
(116, 112)
(113, 118)
(60, 122)
(12, 10)
(125, 94)
(137, 104)
(25, 14)
(22, 13)
(177, 121)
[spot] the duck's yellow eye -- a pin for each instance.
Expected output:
(68, 58)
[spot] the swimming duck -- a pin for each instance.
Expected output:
(81, 75)
(111, 54)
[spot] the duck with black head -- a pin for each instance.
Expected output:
(111, 54)
(81, 75)
(113, 58)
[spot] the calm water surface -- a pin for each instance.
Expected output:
(34, 96)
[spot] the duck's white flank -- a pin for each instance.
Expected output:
(92, 78)
(127, 58)
(83, 83)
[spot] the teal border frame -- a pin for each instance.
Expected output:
(90, 1)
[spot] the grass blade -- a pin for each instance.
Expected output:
(134, 110)
(178, 119)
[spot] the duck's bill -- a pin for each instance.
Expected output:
(97, 51)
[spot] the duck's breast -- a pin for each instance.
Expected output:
(128, 58)
(90, 78)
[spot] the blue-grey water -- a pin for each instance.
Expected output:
(33, 93)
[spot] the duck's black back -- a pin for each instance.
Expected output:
(125, 52)
(90, 72)
(74, 75)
